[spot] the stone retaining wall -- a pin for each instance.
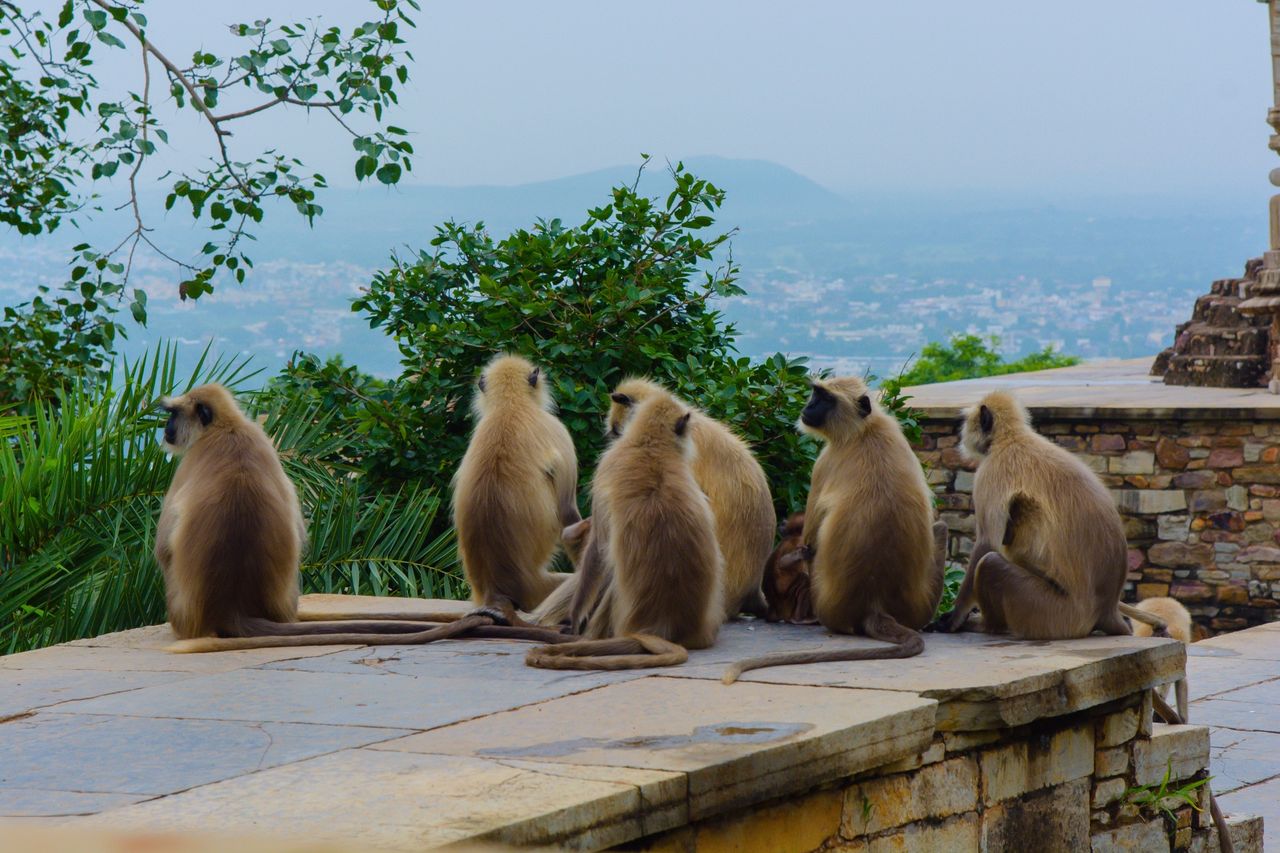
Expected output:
(1085, 781)
(1200, 501)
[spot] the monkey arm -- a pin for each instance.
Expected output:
(591, 571)
(564, 481)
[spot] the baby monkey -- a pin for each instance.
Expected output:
(786, 576)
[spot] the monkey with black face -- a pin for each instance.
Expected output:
(661, 591)
(786, 576)
(230, 536)
(869, 535)
(1050, 557)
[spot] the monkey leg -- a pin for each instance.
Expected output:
(966, 598)
(1028, 603)
(635, 651)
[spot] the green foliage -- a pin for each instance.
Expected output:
(952, 577)
(968, 356)
(82, 485)
(1165, 797)
(63, 133)
(629, 291)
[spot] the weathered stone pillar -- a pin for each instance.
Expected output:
(1263, 298)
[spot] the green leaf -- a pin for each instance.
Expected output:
(389, 173)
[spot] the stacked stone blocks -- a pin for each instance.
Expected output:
(1087, 781)
(1200, 502)
(1220, 346)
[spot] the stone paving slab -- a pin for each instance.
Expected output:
(407, 801)
(980, 681)
(736, 744)
(1118, 388)
(1215, 675)
(23, 690)
(1241, 758)
(151, 658)
(340, 699)
(139, 755)
(1237, 672)
(40, 803)
(459, 740)
(1263, 799)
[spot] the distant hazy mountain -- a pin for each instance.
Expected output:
(864, 280)
(363, 225)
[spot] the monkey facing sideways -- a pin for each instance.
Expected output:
(735, 485)
(786, 576)
(869, 536)
(1049, 561)
(230, 537)
(653, 525)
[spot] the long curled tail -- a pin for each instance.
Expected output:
(634, 651)
(391, 616)
(906, 644)
(478, 625)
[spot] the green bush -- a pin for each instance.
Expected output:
(629, 291)
(82, 482)
(968, 356)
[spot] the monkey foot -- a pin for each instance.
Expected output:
(494, 613)
(941, 625)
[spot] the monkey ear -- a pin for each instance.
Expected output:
(864, 405)
(620, 399)
(204, 413)
(986, 420)
(533, 377)
(682, 423)
(480, 384)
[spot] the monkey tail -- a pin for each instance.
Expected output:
(906, 644)
(634, 651)
(253, 627)
(389, 616)
(473, 625)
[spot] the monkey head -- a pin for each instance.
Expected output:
(660, 421)
(192, 413)
(629, 394)
(836, 406)
(792, 527)
(508, 379)
(999, 413)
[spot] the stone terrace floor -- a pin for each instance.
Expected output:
(1117, 388)
(1234, 685)
(408, 747)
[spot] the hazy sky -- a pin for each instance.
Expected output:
(1092, 96)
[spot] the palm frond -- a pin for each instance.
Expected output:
(81, 485)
